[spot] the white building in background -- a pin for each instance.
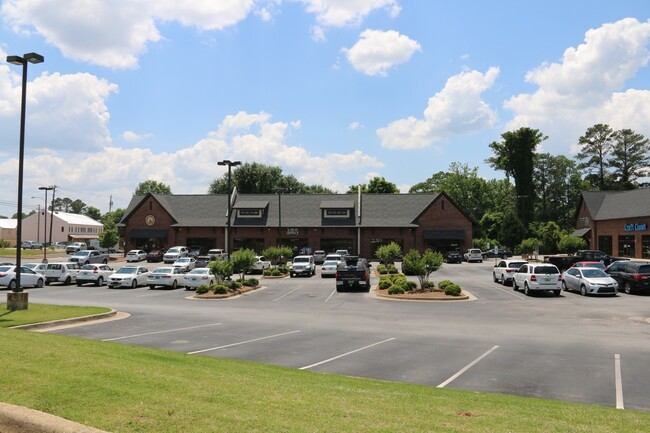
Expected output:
(66, 227)
(8, 230)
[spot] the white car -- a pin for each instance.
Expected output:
(473, 255)
(505, 269)
(537, 277)
(302, 265)
(174, 253)
(589, 281)
(199, 276)
(168, 276)
(334, 258)
(129, 276)
(261, 263)
(329, 268)
(136, 256)
(94, 273)
(61, 272)
(39, 268)
(27, 277)
(186, 264)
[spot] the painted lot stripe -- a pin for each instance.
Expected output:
(619, 382)
(331, 294)
(159, 293)
(286, 294)
(467, 367)
(345, 354)
(160, 332)
(242, 342)
(510, 292)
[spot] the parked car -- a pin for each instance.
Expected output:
(61, 272)
(632, 276)
(75, 247)
(85, 257)
(129, 276)
(168, 276)
(155, 255)
(319, 257)
(353, 272)
(453, 257)
(194, 252)
(505, 269)
(199, 276)
(597, 265)
(31, 245)
(136, 256)
(202, 262)
(174, 253)
(496, 253)
(39, 268)
(589, 281)
(328, 269)
(186, 264)
(342, 253)
(333, 257)
(27, 277)
(216, 254)
(302, 265)
(94, 273)
(537, 277)
(261, 263)
(473, 255)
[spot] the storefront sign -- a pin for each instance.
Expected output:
(292, 231)
(636, 227)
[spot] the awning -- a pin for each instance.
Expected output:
(581, 232)
(84, 236)
(148, 234)
(444, 234)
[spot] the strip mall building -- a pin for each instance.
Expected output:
(359, 223)
(616, 222)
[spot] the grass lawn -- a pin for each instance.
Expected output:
(121, 388)
(26, 254)
(43, 313)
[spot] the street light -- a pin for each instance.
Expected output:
(280, 191)
(46, 189)
(230, 164)
(19, 302)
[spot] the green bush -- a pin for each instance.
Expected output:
(4, 243)
(251, 282)
(428, 284)
(234, 285)
(395, 290)
(444, 283)
(385, 284)
(452, 290)
(203, 288)
(397, 277)
(571, 244)
(219, 289)
(392, 269)
(283, 269)
(411, 285)
(382, 269)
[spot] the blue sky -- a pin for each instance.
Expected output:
(333, 91)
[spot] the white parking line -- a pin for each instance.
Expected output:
(241, 342)
(619, 382)
(331, 294)
(510, 292)
(288, 293)
(467, 367)
(345, 354)
(159, 293)
(160, 332)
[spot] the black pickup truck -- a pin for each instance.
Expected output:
(353, 272)
(564, 262)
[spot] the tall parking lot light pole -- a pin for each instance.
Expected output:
(19, 302)
(46, 189)
(230, 164)
(280, 191)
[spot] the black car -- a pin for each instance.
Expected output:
(202, 261)
(632, 276)
(453, 257)
(496, 253)
(155, 255)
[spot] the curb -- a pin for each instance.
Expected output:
(53, 323)
(17, 419)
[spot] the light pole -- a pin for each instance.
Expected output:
(17, 299)
(280, 191)
(230, 164)
(38, 221)
(46, 189)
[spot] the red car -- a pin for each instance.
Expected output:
(597, 265)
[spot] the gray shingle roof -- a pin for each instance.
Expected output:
(606, 205)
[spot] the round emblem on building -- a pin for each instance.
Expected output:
(150, 220)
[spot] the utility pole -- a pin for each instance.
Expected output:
(52, 212)
(110, 203)
(46, 189)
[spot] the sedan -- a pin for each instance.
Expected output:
(597, 265)
(136, 256)
(186, 264)
(329, 268)
(167, 277)
(129, 276)
(94, 273)
(198, 277)
(27, 277)
(155, 255)
(39, 268)
(589, 281)
(537, 277)
(453, 257)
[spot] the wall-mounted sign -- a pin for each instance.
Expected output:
(636, 227)
(150, 220)
(292, 231)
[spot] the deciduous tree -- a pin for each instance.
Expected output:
(595, 146)
(153, 187)
(630, 152)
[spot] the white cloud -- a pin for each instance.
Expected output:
(338, 13)
(587, 87)
(354, 126)
(134, 137)
(456, 110)
(377, 51)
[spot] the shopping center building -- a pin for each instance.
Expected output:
(616, 222)
(305, 222)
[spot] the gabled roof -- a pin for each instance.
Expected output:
(75, 218)
(8, 223)
(187, 210)
(607, 205)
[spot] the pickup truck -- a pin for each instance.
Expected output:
(353, 272)
(75, 247)
(564, 262)
(85, 257)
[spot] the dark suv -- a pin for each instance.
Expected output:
(632, 276)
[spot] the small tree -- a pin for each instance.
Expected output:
(222, 269)
(528, 245)
(242, 261)
(423, 265)
(571, 244)
(276, 253)
(108, 238)
(389, 253)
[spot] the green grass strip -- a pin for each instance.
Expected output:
(37, 313)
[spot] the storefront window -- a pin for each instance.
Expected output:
(626, 246)
(605, 244)
(645, 246)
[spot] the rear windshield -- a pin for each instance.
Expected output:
(516, 265)
(645, 269)
(546, 270)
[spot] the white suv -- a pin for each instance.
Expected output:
(505, 269)
(533, 277)
(174, 253)
(473, 254)
(302, 265)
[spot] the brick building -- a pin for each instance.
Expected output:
(359, 223)
(616, 222)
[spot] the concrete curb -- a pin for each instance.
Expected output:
(53, 323)
(17, 419)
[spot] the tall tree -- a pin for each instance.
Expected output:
(377, 185)
(152, 186)
(77, 206)
(93, 212)
(110, 219)
(62, 204)
(255, 178)
(595, 146)
(515, 156)
(630, 153)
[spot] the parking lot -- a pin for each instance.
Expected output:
(581, 349)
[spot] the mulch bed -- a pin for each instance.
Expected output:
(436, 295)
(230, 294)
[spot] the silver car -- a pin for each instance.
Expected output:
(329, 268)
(589, 281)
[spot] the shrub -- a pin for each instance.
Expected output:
(392, 269)
(444, 283)
(452, 290)
(219, 289)
(283, 269)
(571, 244)
(397, 277)
(203, 288)
(382, 269)
(4, 243)
(385, 284)
(395, 290)
(234, 285)
(251, 282)
(428, 285)
(389, 253)
(412, 285)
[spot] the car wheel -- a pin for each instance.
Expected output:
(151, 286)
(526, 289)
(12, 285)
(174, 285)
(99, 282)
(67, 281)
(79, 283)
(504, 282)
(557, 292)
(628, 288)
(494, 277)
(47, 282)
(583, 290)
(515, 287)
(564, 286)
(134, 284)
(39, 283)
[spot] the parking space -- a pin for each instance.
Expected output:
(572, 348)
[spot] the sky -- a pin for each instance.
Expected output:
(335, 92)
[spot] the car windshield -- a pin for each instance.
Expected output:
(330, 263)
(163, 271)
(301, 260)
(172, 250)
(516, 265)
(83, 253)
(88, 267)
(593, 273)
(127, 271)
(183, 259)
(31, 266)
(199, 271)
(645, 269)
(546, 270)
(6, 268)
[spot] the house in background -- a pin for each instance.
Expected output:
(65, 227)
(8, 230)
